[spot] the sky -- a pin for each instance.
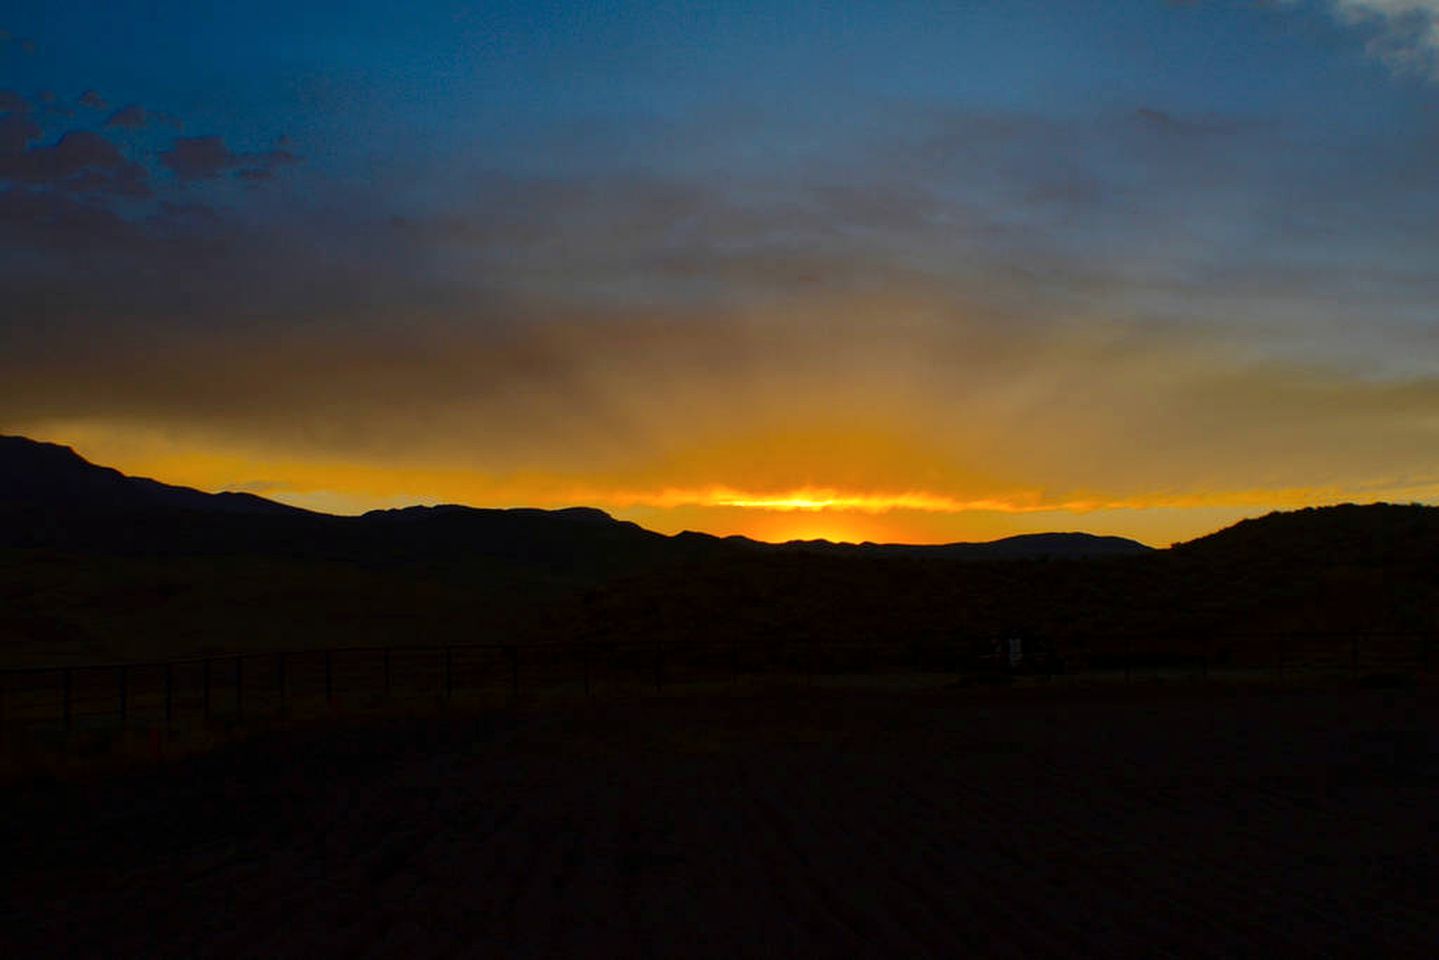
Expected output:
(894, 271)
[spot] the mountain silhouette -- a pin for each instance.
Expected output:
(1369, 534)
(95, 565)
(39, 476)
(51, 496)
(1024, 546)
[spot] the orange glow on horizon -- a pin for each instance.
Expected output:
(796, 513)
(822, 499)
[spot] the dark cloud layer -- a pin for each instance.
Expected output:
(17, 130)
(1151, 216)
(80, 193)
(132, 117)
(205, 158)
(80, 161)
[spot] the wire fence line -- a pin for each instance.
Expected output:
(166, 693)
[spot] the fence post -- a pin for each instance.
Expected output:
(280, 683)
(68, 698)
(169, 695)
(449, 674)
(329, 680)
(122, 680)
(205, 687)
(240, 687)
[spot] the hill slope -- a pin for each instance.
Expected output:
(51, 496)
(1378, 533)
(39, 476)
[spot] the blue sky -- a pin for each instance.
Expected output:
(464, 73)
(249, 234)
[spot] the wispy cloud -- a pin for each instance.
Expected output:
(1403, 33)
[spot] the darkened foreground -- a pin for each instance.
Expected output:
(81, 710)
(1137, 821)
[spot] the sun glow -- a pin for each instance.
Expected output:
(974, 508)
(817, 499)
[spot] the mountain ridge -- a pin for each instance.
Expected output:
(36, 473)
(50, 495)
(165, 575)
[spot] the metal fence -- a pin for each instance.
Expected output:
(234, 688)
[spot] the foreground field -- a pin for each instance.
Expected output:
(942, 822)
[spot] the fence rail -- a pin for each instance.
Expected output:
(179, 691)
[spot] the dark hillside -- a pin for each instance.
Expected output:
(51, 498)
(35, 477)
(95, 565)
(1375, 534)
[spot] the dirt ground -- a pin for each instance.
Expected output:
(822, 823)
